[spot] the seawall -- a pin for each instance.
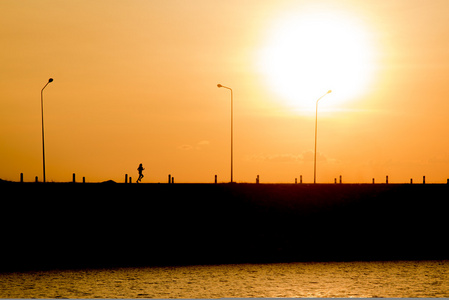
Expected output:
(66, 225)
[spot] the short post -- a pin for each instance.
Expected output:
(84, 179)
(215, 179)
(36, 180)
(411, 180)
(424, 180)
(173, 180)
(21, 177)
(373, 180)
(169, 178)
(340, 180)
(296, 180)
(126, 178)
(73, 177)
(257, 179)
(386, 180)
(335, 180)
(130, 179)
(300, 179)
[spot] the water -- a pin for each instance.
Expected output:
(323, 279)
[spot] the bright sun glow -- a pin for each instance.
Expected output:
(307, 54)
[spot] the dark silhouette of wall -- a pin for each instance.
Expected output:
(104, 225)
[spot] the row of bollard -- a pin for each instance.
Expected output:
(36, 179)
(340, 180)
(171, 179)
(411, 180)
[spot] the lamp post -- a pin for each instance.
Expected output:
(316, 123)
(42, 113)
(232, 130)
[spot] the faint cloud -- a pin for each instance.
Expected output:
(439, 159)
(304, 157)
(203, 143)
(185, 147)
(282, 158)
(200, 145)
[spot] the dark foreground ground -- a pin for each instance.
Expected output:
(65, 225)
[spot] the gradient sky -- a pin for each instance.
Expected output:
(135, 81)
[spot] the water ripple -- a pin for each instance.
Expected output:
(331, 279)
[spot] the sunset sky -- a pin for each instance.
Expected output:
(135, 81)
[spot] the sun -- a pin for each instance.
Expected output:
(306, 54)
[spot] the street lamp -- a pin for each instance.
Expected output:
(42, 112)
(232, 130)
(316, 123)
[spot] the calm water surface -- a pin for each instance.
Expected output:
(334, 279)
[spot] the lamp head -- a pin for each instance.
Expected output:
(219, 85)
(50, 80)
(329, 91)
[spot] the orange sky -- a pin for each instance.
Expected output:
(136, 82)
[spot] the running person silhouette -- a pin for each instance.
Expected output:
(140, 169)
